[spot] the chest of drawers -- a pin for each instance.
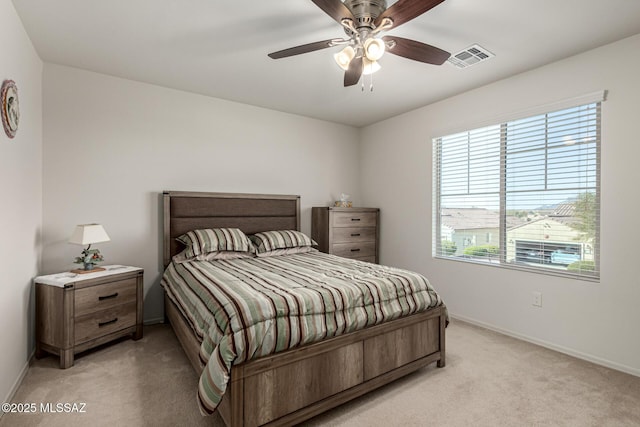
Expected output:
(76, 312)
(347, 232)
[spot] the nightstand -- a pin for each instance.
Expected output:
(76, 312)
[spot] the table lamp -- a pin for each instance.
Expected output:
(88, 234)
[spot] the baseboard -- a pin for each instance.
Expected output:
(551, 346)
(153, 321)
(18, 381)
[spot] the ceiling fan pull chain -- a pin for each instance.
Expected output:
(371, 82)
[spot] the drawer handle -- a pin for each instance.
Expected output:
(108, 322)
(355, 234)
(355, 219)
(355, 250)
(107, 297)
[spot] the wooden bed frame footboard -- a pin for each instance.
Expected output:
(292, 386)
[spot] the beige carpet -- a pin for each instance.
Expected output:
(489, 380)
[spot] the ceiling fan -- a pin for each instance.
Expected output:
(363, 21)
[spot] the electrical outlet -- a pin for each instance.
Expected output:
(537, 299)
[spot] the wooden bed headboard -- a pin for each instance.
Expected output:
(251, 213)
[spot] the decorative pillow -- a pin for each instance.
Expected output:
(201, 242)
(287, 251)
(280, 239)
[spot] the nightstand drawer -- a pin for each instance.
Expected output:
(354, 234)
(354, 250)
(103, 322)
(100, 297)
(354, 219)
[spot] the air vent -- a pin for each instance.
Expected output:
(470, 56)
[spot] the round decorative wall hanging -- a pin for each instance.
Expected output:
(10, 107)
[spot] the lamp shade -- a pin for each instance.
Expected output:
(86, 234)
(374, 49)
(369, 67)
(344, 57)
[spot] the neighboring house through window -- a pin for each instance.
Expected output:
(524, 193)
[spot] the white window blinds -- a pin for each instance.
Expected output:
(524, 193)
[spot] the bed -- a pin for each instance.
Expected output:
(291, 386)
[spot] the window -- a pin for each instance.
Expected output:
(523, 194)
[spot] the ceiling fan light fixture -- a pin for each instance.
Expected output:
(344, 57)
(369, 67)
(374, 49)
(362, 22)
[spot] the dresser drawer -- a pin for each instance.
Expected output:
(104, 322)
(100, 297)
(354, 250)
(354, 219)
(354, 234)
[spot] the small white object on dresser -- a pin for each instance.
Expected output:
(76, 312)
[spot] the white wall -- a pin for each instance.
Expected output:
(111, 146)
(21, 189)
(597, 321)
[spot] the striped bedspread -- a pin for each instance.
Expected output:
(242, 309)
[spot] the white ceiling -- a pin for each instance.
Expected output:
(219, 48)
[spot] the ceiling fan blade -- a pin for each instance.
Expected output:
(416, 50)
(353, 73)
(305, 48)
(405, 10)
(335, 9)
